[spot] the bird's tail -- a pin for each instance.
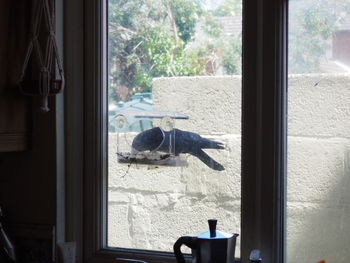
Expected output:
(210, 144)
(210, 162)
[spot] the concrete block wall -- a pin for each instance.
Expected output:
(318, 168)
(151, 206)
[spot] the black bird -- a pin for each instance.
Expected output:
(177, 141)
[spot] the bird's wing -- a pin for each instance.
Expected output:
(148, 140)
(205, 158)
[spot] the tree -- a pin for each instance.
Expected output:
(147, 39)
(229, 8)
(312, 23)
(155, 38)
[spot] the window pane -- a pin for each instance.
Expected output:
(318, 207)
(173, 68)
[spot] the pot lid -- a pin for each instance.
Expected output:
(213, 233)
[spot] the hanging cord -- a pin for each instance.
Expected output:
(45, 62)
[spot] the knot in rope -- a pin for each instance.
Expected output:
(45, 59)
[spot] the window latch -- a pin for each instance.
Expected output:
(255, 256)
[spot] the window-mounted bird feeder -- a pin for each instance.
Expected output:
(147, 137)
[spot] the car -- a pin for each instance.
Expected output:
(122, 117)
(138, 114)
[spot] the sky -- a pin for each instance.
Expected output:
(212, 4)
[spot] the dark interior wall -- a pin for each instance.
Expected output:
(12, 45)
(27, 178)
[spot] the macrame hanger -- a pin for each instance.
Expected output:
(45, 85)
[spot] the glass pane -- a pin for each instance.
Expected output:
(174, 135)
(318, 207)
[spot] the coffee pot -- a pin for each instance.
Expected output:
(212, 246)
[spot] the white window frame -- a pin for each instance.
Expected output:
(264, 111)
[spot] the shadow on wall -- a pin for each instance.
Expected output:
(318, 225)
(321, 229)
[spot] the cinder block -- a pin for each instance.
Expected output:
(196, 178)
(118, 196)
(119, 234)
(212, 103)
(201, 180)
(318, 105)
(316, 232)
(316, 169)
(140, 227)
(152, 206)
(160, 199)
(189, 217)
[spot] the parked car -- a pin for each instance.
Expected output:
(138, 114)
(130, 115)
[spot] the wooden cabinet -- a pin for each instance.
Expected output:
(14, 107)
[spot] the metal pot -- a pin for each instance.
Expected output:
(212, 246)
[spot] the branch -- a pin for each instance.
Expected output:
(172, 21)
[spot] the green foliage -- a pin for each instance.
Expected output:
(187, 14)
(146, 41)
(154, 38)
(232, 56)
(229, 8)
(212, 27)
(312, 23)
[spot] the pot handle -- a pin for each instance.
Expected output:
(191, 242)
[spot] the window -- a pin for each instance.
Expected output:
(318, 131)
(263, 133)
(173, 75)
